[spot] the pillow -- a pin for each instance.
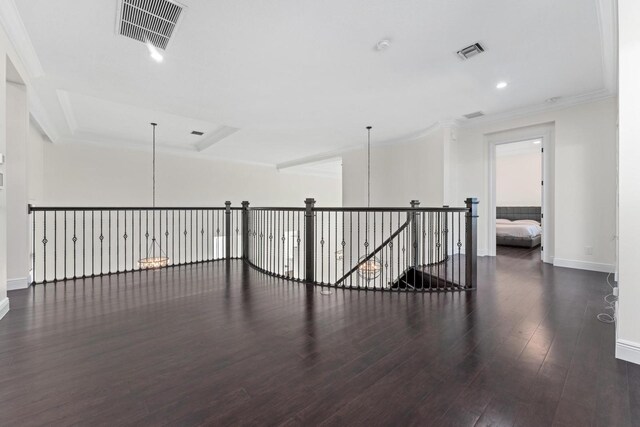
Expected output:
(526, 221)
(503, 221)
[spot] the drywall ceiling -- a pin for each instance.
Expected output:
(298, 78)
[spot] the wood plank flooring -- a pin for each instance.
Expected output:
(218, 344)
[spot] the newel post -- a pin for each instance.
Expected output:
(245, 230)
(227, 229)
(415, 237)
(309, 241)
(471, 243)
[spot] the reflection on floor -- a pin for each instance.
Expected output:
(221, 344)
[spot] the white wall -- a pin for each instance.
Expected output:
(35, 153)
(585, 179)
(7, 56)
(628, 324)
(402, 172)
(89, 175)
(518, 177)
(17, 200)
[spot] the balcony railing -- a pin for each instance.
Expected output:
(390, 249)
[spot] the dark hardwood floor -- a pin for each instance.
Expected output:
(516, 252)
(213, 344)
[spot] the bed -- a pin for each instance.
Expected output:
(518, 226)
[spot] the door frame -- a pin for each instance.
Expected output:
(545, 132)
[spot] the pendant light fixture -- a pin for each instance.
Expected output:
(372, 267)
(152, 261)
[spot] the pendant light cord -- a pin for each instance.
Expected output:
(368, 166)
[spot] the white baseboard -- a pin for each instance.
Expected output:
(4, 307)
(15, 284)
(628, 350)
(584, 265)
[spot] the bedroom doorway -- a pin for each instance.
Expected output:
(534, 202)
(518, 218)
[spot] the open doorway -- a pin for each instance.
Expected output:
(519, 201)
(545, 133)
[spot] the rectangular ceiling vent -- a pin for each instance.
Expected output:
(152, 21)
(197, 132)
(474, 115)
(470, 51)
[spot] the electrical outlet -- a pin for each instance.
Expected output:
(588, 250)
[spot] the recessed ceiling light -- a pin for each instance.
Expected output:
(501, 85)
(155, 55)
(383, 45)
(537, 141)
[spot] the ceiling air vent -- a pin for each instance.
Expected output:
(152, 21)
(474, 115)
(197, 132)
(470, 51)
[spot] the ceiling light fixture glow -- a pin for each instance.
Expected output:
(155, 55)
(537, 141)
(501, 85)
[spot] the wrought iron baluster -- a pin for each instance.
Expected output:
(277, 243)
(93, 244)
(139, 237)
(75, 239)
(185, 237)
(117, 241)
(55, 246)
(329, 247)
(125, 236)
(34, 249)
(44, 246)
(382, 253)
(343, 244)
(351, 246)
(202, 257)
(322, 247)
(298, 241)
(335, 240)
(424, 248)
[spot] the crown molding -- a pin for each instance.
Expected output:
(41, 117)
(312, 160)
(335, 154)
(84, 138)
(217, 136)
(561, 104)
(17, 33)
(67, 110)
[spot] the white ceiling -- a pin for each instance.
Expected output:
(292, 79)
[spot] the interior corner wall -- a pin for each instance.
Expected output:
(401, 172)
(17, 128)
(628, 315)
(3, 171)
(91, 175)
(7, 53)
(585, 179)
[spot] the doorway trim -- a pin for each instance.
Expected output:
(545, 132)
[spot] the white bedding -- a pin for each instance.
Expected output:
(527, 229)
